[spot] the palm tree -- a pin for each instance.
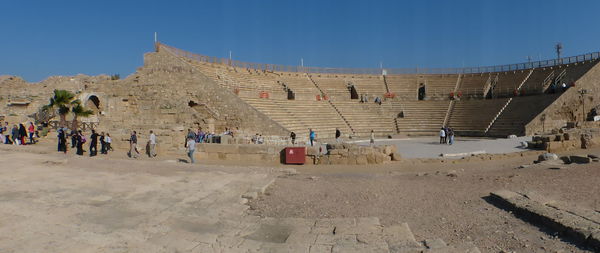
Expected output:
(61, 101)
(79, 111)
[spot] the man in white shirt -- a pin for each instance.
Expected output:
(152, 144)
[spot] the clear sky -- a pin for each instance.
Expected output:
(43, 38)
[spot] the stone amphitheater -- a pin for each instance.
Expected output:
(55, 203)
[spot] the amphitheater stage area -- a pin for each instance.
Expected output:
(429, 147)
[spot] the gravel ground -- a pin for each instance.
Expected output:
(438, 199)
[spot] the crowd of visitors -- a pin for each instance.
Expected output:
(18, 134)
(446, 135)
(78, 140)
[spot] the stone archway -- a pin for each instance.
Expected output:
(92, 102)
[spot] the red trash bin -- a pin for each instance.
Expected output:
(295, 155)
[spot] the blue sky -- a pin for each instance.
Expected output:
(44, 38)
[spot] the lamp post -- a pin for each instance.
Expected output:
(582, 93)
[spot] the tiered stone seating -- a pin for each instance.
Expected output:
(334, 87)
(405, 86)
(519, 112)
(471, 117)
(299, 116)
(439, 86)
(422, 117)
(473, 85)
(364, 117)
(509, 81)
(368, 84)
(245, 82)
(300, 85)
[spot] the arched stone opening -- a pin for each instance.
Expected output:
(93, 103)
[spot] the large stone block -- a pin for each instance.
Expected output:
(580, 159)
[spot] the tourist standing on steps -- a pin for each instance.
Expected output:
(133, 152)
(102, 143)
(312, 136)
(93, 143)
(80, 140)
(372, 139)
(442, 136)
(152, 144)
(293, 137)
(338, 134)
(191, 147)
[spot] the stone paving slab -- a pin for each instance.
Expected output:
(577, 223)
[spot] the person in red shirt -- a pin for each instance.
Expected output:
(31, 131)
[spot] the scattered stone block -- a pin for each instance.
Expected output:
(580, 159)
(547, 157)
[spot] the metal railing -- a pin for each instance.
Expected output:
(379, 71)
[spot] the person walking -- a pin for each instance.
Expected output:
(73, 138)
(102, 143)
(293, 137)
(450, 136)
(312, 136)
(133, 152)
(338, 134)
(93, 143)
(15, 135)
(80, 140)
(442, 136)
(372, 139)
(108, 141)
(152, 144)
(191, 147)
(31, 130)
(22, 134)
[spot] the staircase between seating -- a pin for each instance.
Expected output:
(497, 115)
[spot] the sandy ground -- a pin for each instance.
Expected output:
(434, 204)
(416, 191)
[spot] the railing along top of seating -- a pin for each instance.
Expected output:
(380, 71)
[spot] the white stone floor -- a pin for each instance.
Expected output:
(429, 147)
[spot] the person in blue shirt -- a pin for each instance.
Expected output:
(312, 136)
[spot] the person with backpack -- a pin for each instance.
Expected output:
(15, 135)
(22, 134)
(191, 147)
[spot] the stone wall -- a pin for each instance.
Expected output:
(568, 107)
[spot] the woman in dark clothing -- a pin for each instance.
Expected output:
(22, 133)
(62, 141)
(80, 139)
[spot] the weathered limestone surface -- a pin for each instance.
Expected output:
(580, 224)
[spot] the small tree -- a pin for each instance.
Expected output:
(79, 110)
(61, 102)
(115, 77)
